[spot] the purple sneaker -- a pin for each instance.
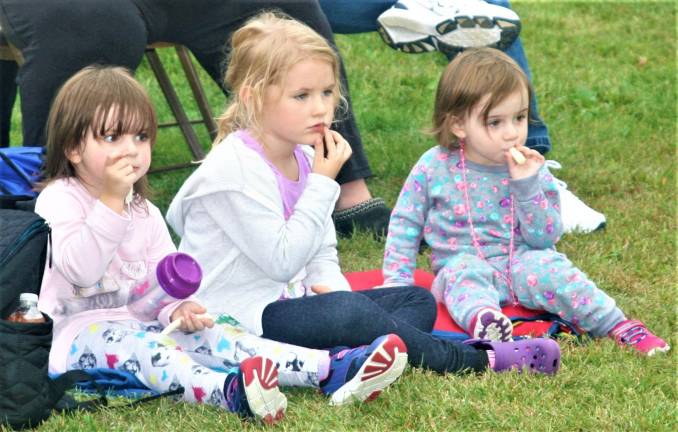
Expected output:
(538, 355)
(491, 324)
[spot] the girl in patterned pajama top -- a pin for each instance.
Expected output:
(492, 221)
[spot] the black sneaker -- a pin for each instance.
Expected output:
(372, 215)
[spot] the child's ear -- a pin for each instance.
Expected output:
(456, 126)
(74, 155)
(245, 94)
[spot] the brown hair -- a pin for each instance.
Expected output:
(261, 53)
(472, 75)
(83, 104)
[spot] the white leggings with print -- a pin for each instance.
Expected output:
(197, 361)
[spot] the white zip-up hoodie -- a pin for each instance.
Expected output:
(229, 214)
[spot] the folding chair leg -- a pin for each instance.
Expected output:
(198, 91)
(175, 104)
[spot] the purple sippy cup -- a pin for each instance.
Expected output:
(176, 277)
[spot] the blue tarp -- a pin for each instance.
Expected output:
(20, 169)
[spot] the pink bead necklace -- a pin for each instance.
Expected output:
(507, 275)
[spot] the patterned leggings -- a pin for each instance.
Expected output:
(197, 361)
(542, 280)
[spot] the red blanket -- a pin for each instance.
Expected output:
(445, 326)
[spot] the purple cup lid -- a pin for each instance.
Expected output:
(179, 275)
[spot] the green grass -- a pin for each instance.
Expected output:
(605, 75)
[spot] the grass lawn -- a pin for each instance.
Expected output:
(605, 76)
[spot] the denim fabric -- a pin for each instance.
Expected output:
(357, 16)
(354, 16)
(357, 318)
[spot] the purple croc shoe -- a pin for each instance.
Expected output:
(538, 355)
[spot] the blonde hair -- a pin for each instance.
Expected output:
(83, 104)
(261, 53)
(472, 75)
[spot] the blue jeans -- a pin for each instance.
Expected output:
(357, 318)
(358, 16)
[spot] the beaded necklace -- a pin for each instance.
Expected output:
(507, 275)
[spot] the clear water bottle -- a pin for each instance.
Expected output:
(176, 277)
(27, 312)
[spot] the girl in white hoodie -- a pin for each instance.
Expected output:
(257, 214)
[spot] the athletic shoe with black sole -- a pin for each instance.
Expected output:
(449, 26)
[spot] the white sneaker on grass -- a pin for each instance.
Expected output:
(449, 26)
(574, 213)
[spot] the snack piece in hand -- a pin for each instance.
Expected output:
(177, 323)
(130, 196)
(517, 156)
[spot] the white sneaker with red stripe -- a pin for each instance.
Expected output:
(253, 391)
(360, 374)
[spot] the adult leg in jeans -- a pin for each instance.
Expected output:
(354, 16)
(354, 319)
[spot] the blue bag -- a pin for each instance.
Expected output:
(113, 381)
(20, 169)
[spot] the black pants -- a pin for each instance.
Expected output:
(59, 37)
(357, 318)
(8, 71)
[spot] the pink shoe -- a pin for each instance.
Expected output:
(633, 333)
